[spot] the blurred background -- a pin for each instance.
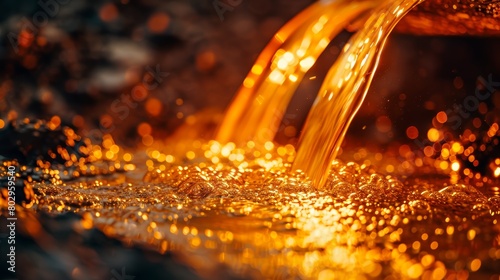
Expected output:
(139, 70)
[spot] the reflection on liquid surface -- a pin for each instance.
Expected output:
(246, 211)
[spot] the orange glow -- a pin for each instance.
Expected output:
(248, 82)
(467, 171)
(139, 93)
(441, 117)
(404, 150)
(443, 165)
(472, 137)
(127, 157)
(147, 140)
(2, 124)
(475, 265)
(493, 130)
(55, 122)
(25, 38)
(307, 63)
(428, 151)
(190, 155)
(108, 141)
(87, 221)
(257, 69)
(106, 121)
(279, 69)
(445, 153)
(158, 22)
(154, 106)
(415, 271)
(277, 77)
(433, 135)
(205, 61)
(412, 132)
(457, 148)
(144, 129)
(12, 115)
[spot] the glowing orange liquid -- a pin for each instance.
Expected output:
(266, 91)
(268, 88)
(344, 90)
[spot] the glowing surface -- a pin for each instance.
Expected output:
(253, 215)
(260, 104)
(344, 90)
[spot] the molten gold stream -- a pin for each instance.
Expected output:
(266, 91)
(344, 90)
